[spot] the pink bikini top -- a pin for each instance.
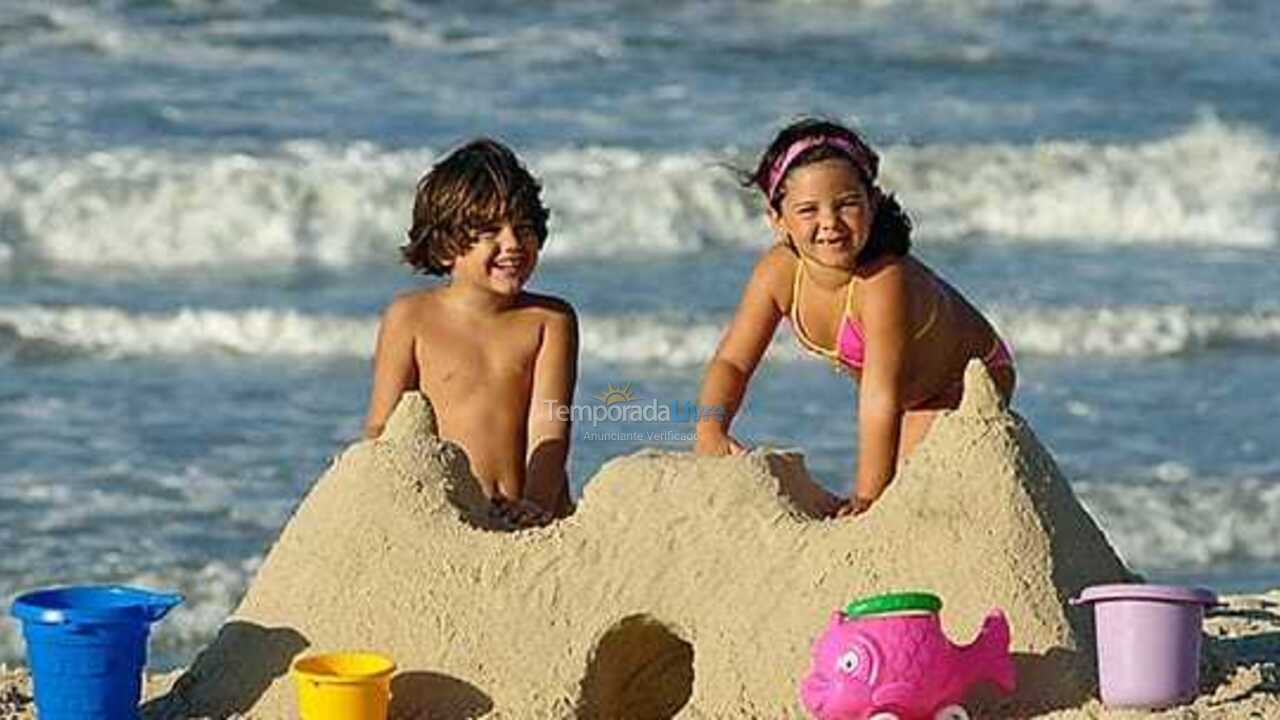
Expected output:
(850, 350)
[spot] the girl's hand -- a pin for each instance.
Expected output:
(718, 444)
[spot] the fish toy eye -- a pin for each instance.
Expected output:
(848, 662)
(952, 712)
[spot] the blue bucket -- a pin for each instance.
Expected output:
(87, 647)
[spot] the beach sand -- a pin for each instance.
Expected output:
(1240, 673)
(681, 585)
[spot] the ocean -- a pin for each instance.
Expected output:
(201, 204)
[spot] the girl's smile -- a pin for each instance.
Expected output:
(826, 212)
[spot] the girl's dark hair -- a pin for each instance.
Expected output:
(890, 228)
(480, 184)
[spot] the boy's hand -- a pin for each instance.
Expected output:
(829, 505)
(717, 443)
(855, 506)
(519, 513)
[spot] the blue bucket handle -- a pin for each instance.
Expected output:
(149, 604)
(159, 604)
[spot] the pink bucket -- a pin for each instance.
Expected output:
(1148, 642)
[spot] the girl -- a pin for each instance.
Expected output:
(841, 273)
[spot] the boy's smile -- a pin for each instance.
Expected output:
(500, 260)
(510, 268)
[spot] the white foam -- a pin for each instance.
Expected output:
(1212, 184)
(665, 341)
(532, 43)
(1110, 9)
(1134, 331)
(113, 332)
(620, 202)
(652, 339)
(210, 592)
(135, 208)
(113, 33)
(1183, 525)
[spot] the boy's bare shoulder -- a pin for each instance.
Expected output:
(411, 307)
(548, 308)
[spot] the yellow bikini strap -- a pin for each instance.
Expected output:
(848, 298)
(795, 290)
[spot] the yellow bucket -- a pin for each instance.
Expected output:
(343, 686)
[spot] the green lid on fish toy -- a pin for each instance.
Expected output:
(905, 602)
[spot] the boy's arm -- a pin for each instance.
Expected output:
(555, 373)
(749, 334)
(884, 315)
(395, 368)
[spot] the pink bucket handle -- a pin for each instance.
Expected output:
(1140, 591)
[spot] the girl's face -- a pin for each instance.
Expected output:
(826, 212)
(501, 258)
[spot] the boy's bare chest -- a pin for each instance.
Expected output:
(476, 358)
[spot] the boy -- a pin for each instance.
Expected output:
(494, 360)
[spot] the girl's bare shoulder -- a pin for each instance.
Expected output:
(778, 260)
(774, 273)
(888, 266)
(885, 277)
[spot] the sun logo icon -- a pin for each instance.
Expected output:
(614, 395)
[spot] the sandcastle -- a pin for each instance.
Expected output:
(682, 586)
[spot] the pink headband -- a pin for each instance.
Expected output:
(861, 156)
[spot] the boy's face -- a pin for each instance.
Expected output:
(501, 258)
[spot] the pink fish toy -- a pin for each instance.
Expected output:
(886, 658)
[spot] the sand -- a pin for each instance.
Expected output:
(681, 586)
(1240, 673)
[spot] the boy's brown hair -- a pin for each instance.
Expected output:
(478, 185)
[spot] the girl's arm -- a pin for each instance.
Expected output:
(739, 352)
(555, 373)
(395, 369)
(884, 317)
